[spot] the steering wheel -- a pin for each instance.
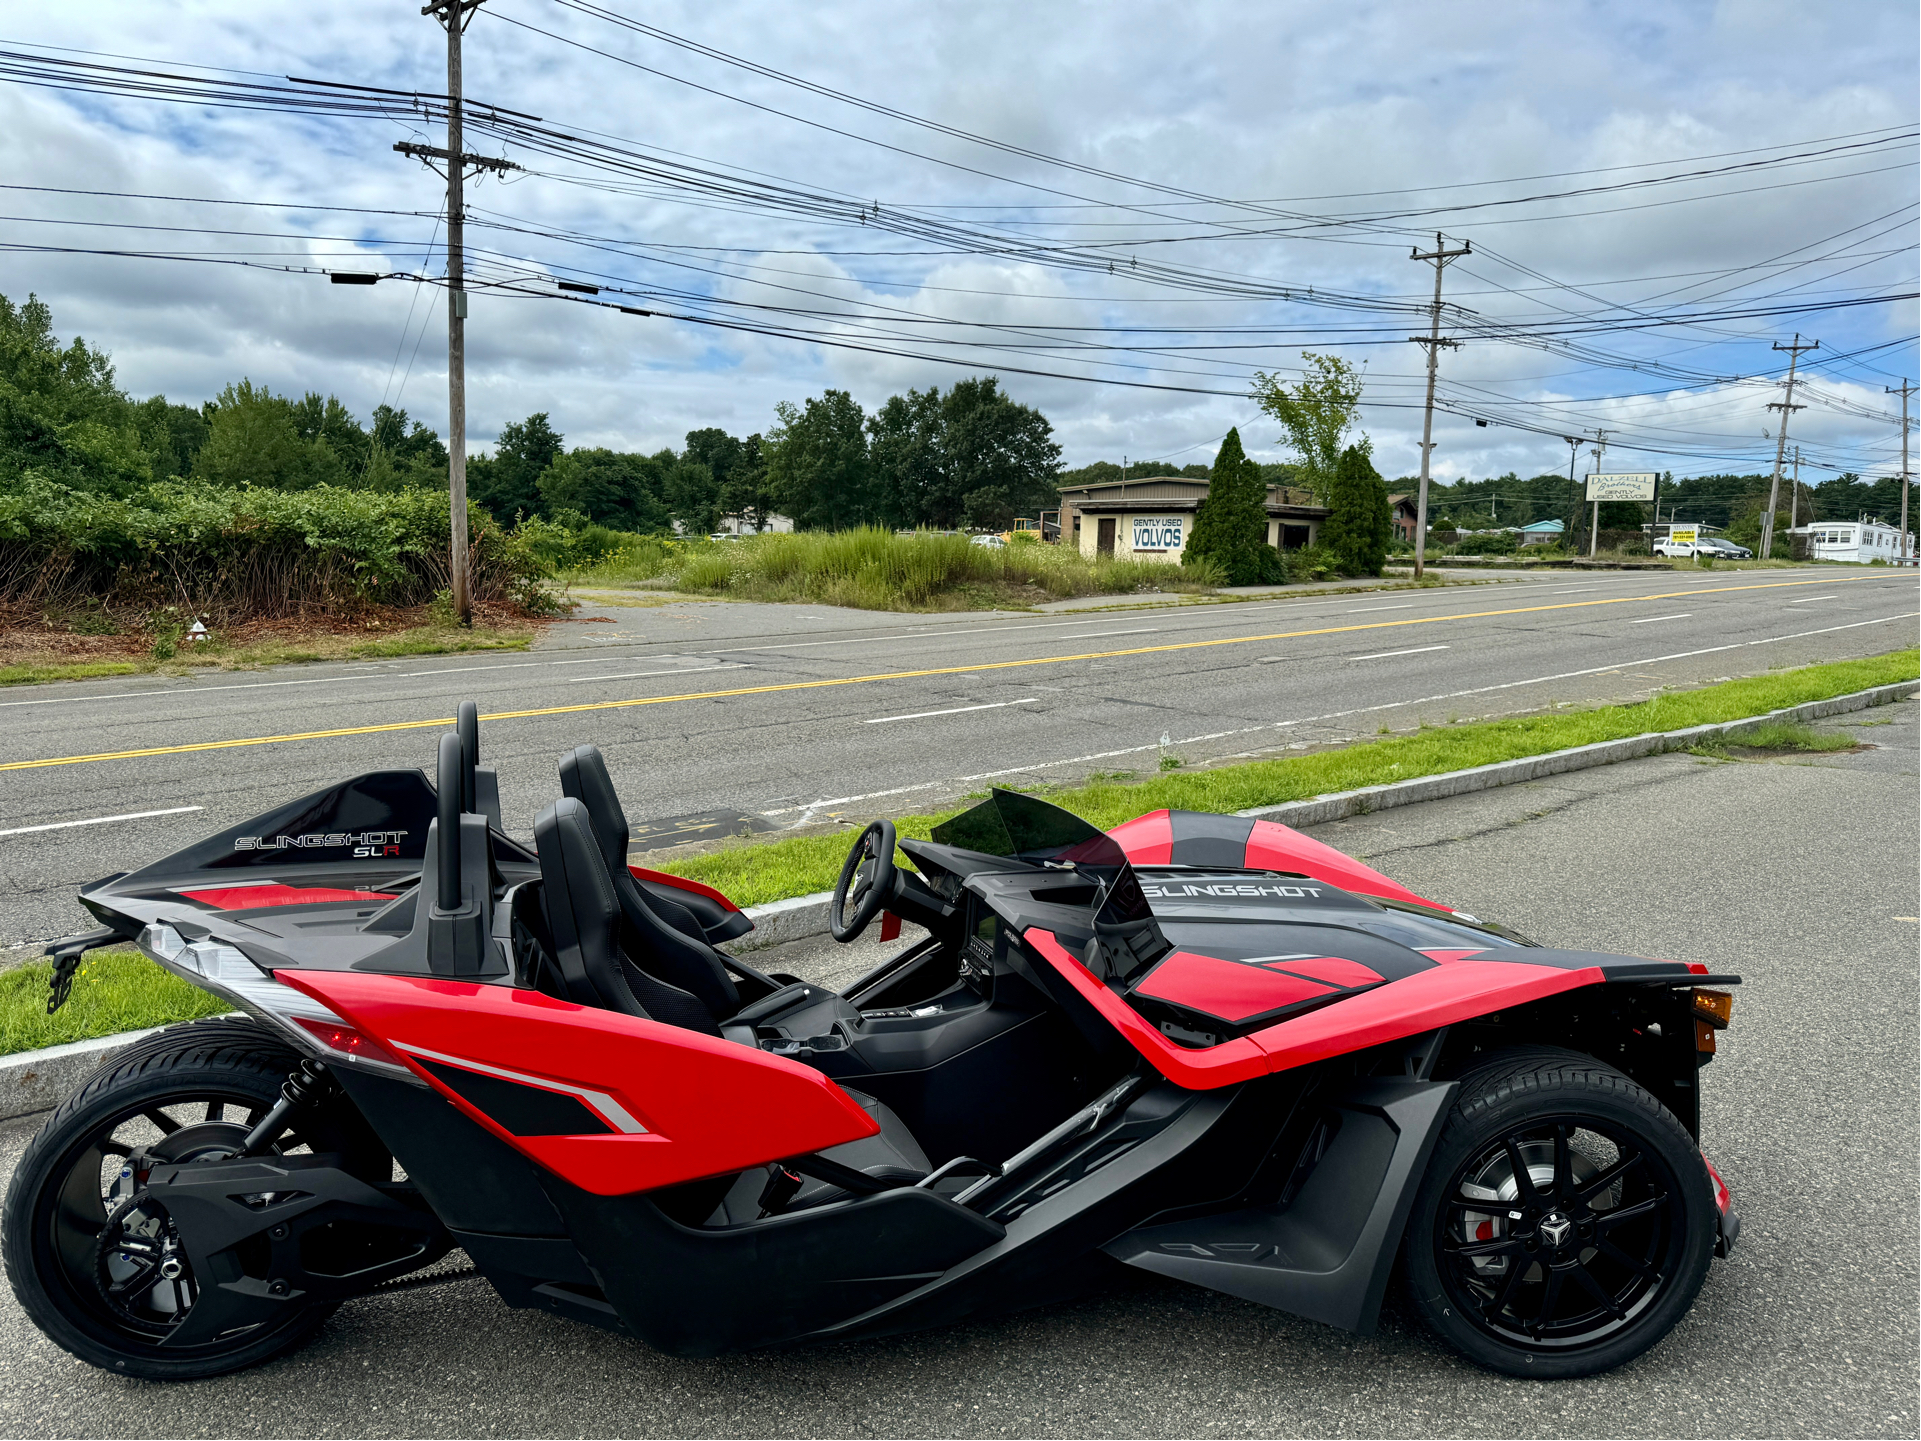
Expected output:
(867, 878)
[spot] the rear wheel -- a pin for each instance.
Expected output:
(1565, 1222)
(93, 1259)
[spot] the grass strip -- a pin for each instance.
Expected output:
(422, 640)
(1778, 736)
(754, 873)
(115, 991)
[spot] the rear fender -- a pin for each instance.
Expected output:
(611, 1103)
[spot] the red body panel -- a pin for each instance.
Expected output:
(1440, 997)
(1148, 840)
(1228, 989)
(1227, 1064)
(681, 883)
(707, 1106)
(254, 898)
(1281, 848)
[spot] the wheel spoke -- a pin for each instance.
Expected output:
(1598, 1292)
(167, 1124)
(1609, 1219)
(1523, 1178)
(141, 1279)
(1485, 1248)
(1487, 1206)
(216, 1111)
(1550, 1293)
(1563, 1163)
(1621, 1258)
(1613, 1173)
(1516, 1275)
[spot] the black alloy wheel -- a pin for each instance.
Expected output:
(1566, 1220)
(94, 1259)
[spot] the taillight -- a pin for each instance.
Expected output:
(344, 1040)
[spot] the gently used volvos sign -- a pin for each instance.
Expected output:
(364, 843)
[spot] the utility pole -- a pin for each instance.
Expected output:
(1594, 526)
(1574, 495)
(453, 15)
(1786, 406)
(1907, 389)
(1441, 256)
(1794, 501)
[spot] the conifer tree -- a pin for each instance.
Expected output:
(1359, 523)
(1231, 529)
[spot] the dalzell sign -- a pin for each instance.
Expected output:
(1158, 532)
(1639, 486)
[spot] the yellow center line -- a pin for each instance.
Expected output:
(896, 675)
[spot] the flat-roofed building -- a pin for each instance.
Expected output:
(1152, 518)
(1861, 542)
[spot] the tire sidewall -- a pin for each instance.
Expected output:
(1497, 1098)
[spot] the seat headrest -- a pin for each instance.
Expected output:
(581, 908)
(584, 778)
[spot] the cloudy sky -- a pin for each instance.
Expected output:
(1650, 191)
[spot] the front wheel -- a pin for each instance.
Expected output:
(93, 1259)
(1565, 1222)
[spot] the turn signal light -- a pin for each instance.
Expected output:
(344, 1040)
(1713, 1007)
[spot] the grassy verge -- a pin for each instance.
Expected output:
(1779, 736)
(754, 873)
(115, 991)
(277, 650)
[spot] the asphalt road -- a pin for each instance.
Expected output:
(1797, 874)
(801, 713)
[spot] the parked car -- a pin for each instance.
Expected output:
(1723, 550)
(991, 542)
(1677, 549)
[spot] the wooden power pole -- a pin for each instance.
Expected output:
(1441, 256)
(454, 15)
(1787, 407)
(1907, 389)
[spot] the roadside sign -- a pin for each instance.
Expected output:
(1684, 535)
(1158, 532)
(1621, 487)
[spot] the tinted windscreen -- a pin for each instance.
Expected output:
(1010, 824)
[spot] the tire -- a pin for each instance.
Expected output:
(1597, 1257)
(55, 1211)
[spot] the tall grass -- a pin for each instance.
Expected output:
(878, 570)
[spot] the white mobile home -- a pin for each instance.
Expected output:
(1860, 542)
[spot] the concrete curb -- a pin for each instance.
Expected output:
(33, 1081)
(1322, 809)
(40, 1080)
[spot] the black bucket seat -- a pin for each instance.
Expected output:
(585, 925)
(665, 939)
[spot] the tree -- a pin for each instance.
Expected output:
(913, 483)
(1001, 455)
(171, 434)
(254, 437)
(1316, 415)
(509, 483)
(61, 413)
(818, 465)
(609, 488)
(745, 491)
(693, 497)
(1359, 524)
(1231, 529)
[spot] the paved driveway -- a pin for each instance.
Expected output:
(1800, 875)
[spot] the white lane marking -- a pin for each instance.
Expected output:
(1385, 654)
(1091, 634)
(641, 674)
(957, 710)
(1650, 619)
(1807, 598)
(1367, 609)
(1340, 714)
(102, 820)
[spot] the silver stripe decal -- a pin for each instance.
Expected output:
(609, 1109)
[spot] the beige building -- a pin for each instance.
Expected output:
(1153, 518)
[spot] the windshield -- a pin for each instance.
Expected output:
(1022, 828)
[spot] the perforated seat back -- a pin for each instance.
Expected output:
(666, 952)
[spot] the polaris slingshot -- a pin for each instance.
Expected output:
(1204, 1046)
